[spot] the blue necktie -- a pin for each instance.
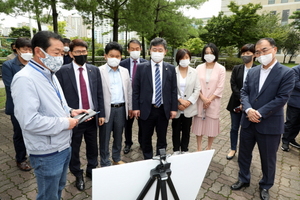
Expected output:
(157, 86)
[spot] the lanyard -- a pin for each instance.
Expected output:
(55, 88)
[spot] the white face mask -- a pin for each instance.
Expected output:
(66, 49)
(53, 63)
(157, 56)
(209, 58)
(184, 63)
(113, 62)
(26, 56)
(265, 59)
(135, 54)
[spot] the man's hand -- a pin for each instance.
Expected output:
(253, 116)
(75, 112)
(72, 123)
(101, 121)
(136, 113)
(130, 114)
(173, 114)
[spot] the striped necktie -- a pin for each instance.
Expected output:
(157, 86)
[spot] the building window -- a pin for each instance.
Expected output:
(273, 12)
(271, 1)
(284, 1)
(297, 0)
(285, 17)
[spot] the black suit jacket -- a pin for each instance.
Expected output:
(66, 77)
(236, 82)
(126, 63)
(143, 89)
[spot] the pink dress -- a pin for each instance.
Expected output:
(210, 126)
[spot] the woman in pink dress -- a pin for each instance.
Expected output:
(212, 78)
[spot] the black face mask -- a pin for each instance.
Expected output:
(247, 59)
(80, 60)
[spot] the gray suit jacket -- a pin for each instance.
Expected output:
(127, 90)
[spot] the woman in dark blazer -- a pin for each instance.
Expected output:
(238, 77)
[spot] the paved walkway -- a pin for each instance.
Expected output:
(18, 185)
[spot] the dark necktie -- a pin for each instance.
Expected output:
(157, 86)
(83, 90)
(133, 70)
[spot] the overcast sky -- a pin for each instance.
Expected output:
(208, 9)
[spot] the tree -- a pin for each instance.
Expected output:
(194, 45)
(61, 28)
(291, 46)
(235, 30)
(24, 31)
(296, 17)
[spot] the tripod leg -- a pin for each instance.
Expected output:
(158, 186)
(172, 188)
(163, 188)
(146, 188)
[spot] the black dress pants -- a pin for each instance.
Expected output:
(157, 120)
(88, 130)
(181, 125)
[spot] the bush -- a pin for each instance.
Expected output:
(230, 62)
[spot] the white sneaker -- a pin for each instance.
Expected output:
(176, 153)
(184, 152)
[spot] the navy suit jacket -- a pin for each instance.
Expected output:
(294, 99)
(66, 77)
(269, 102)
(126, 63)
(143, 89)
(9, 69)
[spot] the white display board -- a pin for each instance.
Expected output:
(126, 181)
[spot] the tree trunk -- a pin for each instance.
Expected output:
(54, 16)
(143, 47)
(284, 56)
(115, 25)
(93, 38)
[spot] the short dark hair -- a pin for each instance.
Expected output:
(113, 46)
(12, 44)
(41, 39)
(270, 40)
(78, 42)
(158, 41)
(248, 47)
(214, 50)
(181, 53)
(134, 41)
(23, 42)
(66, 40)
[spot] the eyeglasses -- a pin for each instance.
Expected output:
(263, 51)
(78, 52)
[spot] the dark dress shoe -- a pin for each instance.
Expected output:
(239, 185)
(127, 149)
(285, 147)
(80, 183)
(264, 194)
(230, 157)
(89, 175)
(295, 144)
(24, 166)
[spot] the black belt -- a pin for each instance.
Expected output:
(117, 105)
(155, 106)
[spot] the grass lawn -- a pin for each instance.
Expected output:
(2, 98)
(290, 64)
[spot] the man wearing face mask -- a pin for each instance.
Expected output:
(67, 58)
(44, 116)
(265, 91)
(82, 87)
(155, 97)
(134, 48)
(117, 103)
(9, 69)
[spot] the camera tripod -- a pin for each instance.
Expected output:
(161, 173)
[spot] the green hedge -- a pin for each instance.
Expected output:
(230, 62)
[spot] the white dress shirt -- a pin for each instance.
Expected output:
(85, 76)
(153, 68)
